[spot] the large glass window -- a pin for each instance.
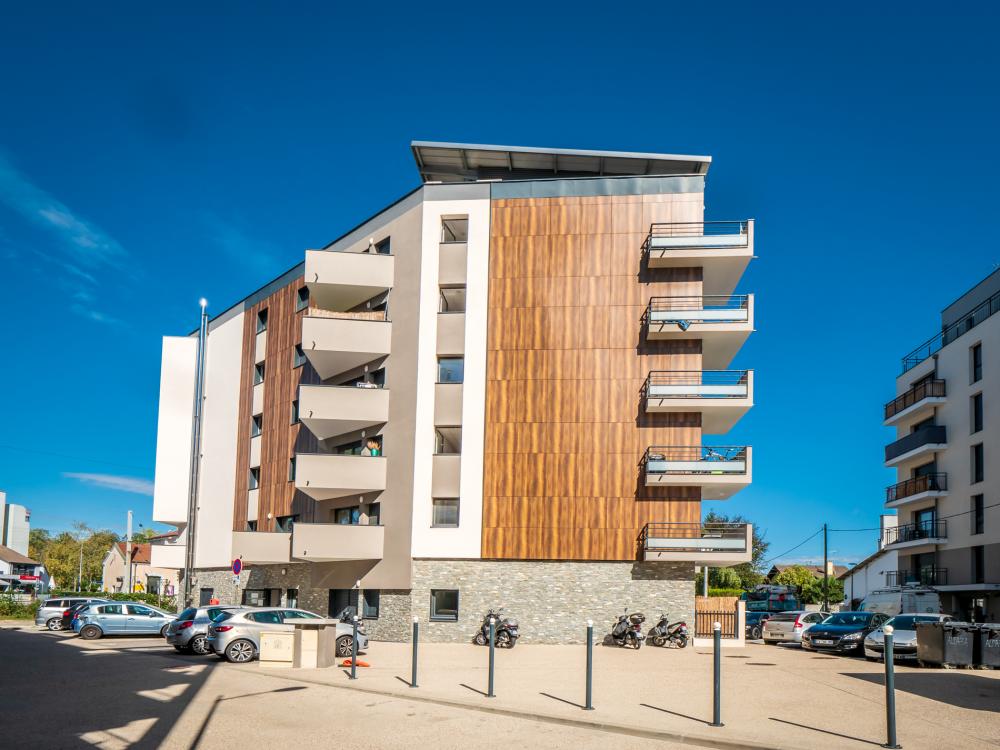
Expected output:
(978, 517)
(444, 605)
(262, 321)
(976, 363)
(343, 603)
(347, 516)
(452, 299)
(370, 601)
(448, 440)
(978, 565)
(976, 417)
(258, 373)
(295, 411)
(451, 369)
(444, 511)
(299, 357)
(254, 481)
(977, 463)
(256, 425)
(455, 230)
(302, 299)
(291, 469)
(255, 597)
(285, 523)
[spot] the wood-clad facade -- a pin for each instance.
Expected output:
(566, 361)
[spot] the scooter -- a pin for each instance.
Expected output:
(666, 633)
(505, 630)
(627, 632)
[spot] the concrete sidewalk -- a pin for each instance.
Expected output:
(775, 697)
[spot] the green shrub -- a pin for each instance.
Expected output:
(168, 603)
(11, 609)
(725, 592)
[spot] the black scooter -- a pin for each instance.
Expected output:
(627, 632)
(505, 630)
(666, 633)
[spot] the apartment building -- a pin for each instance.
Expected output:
(500, 390)
(947, 488)
(15, 525)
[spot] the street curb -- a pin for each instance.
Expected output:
(697, 740)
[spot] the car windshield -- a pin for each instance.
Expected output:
(907, 622)
(215, 613)
(187, 614)
(848, 618)
(785, 617)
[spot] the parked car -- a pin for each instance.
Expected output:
(788, 627)
(50, 613)
(904, 636)
(71, 614)
(121, 618)
(755, 624)
(235, 635)
(189, 632)
(898, 599)
(843, 632)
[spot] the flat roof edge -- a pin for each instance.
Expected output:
(562, 151)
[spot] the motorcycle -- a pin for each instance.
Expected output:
(627, 632)
(505, 630)
(666, 633)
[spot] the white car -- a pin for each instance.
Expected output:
(904, 637)
(788, 627)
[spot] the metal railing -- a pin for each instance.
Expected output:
(704, 384)
(926, 576)
(952, 332)
(694, 459)
(933, 434)
(915, 532)
(705, 533)
(713, 308)
(924, 389)
(701, 233)
(936, 482)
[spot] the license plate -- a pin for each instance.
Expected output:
(822, 642)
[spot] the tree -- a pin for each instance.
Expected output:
(143, 535)
(39, 541)
(811, 585)
(798, 576)
(63, 555)
(750, 574)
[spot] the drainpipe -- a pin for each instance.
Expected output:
(199, 391)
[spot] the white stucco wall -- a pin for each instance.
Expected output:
(173, 433)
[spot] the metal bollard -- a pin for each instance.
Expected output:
(890, 691)
(416, 638)
(717, 676)
(489, 692)
(590, 666)
(354, 649)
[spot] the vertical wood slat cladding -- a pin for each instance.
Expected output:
(565, 364)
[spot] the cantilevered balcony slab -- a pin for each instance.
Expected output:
(325, 476)
(918, 537)
(338, 342)
(340, 281)
(916, 489)
(722, 396)
(262, 547)
(332, 542)
(331, 410)
(722, 249)
(713, 544)
(719, 471)
(916, 446)
(915, 404)
(722, 322)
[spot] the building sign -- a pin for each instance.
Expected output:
(29, 578)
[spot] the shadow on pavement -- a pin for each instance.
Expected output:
(196, 741)
(562, 700)
(674, 713)
(963, 689)
(474, 690)
(825, 731)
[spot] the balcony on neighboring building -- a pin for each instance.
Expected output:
(262, 547)
(921, 443)
(916, 535)
(916, 403)
(720, 471)
(722, 322)
(722, 396)
(722, 249)
(926, 576)
(336, 342)
(344, 280)
(916, 489)
(713, 544)
(324, 476)
(331, 410)
(332, 542)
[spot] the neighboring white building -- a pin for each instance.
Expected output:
(144, 577)
(15, 525)
(20, 572)
(874, 571)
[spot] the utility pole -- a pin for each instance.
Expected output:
(199, 395)
(826, 575)
(128, 551)
(79, 576)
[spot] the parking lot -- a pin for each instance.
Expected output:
(61, 691)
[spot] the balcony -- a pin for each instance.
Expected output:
(720, 472)
(340, 281)
(918, 444)
(921, 534)
(722, 396)
(722, 322)
(338, 342)
(916, 403)
(722, 249)
(262, 547)
(714, 544)
(334, 542)
(916, 489)
(331, 410)
(168, 554)
(324, 476)
(927, 576)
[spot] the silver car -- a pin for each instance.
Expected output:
(235, 636)
(50, 613)
(904, 637)
(788, 627)
(189, 632)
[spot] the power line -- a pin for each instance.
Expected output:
(940, 518)
(818, 532)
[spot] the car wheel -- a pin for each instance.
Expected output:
(54, 623)
(755, 633)
(163, 631)
(344, 646)
(240, 652)
(199, 645)
(90, 632)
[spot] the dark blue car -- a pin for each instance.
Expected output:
(843, 632)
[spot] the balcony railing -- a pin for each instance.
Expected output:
(715, 308)
(699, 234)
(695, 537)
(937, 482)
(952, 332)
(697, 384)
(932, 435)
(927, 576)
(915, 532)
(920, 391)
(684, 459)
(319, 312)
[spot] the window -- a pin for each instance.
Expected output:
(299, 357)
(452, 299)
(292, 598)
(455, 230)
(284, 523)
(977, 413)
(116, 609)
(291, 469)
(451, 369)
(205, 596)
(153, 584)
(302, 299)
(448, 440)
(255, 598)
(138, 609)
(254, 478)
(272, 617)
(444, 512)
(383, 247)
(374, 514)
(262, 321)
(343, 603)
(295, 411)
(444, 605)
(369, 604)
(256, 425)
(347, 516)
(977, 463)
(978, 564)
(978, 518)
(251, 525)
(258, 373)
(976, 363)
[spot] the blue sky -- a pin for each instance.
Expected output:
(152, 156)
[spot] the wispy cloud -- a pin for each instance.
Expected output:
(136, 485)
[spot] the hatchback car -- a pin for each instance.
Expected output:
(50, 614)
(235, 635)
(189, 632)
(788, 627)
(904, 637)
(70, 615)
(121, 618)
(843, 632)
